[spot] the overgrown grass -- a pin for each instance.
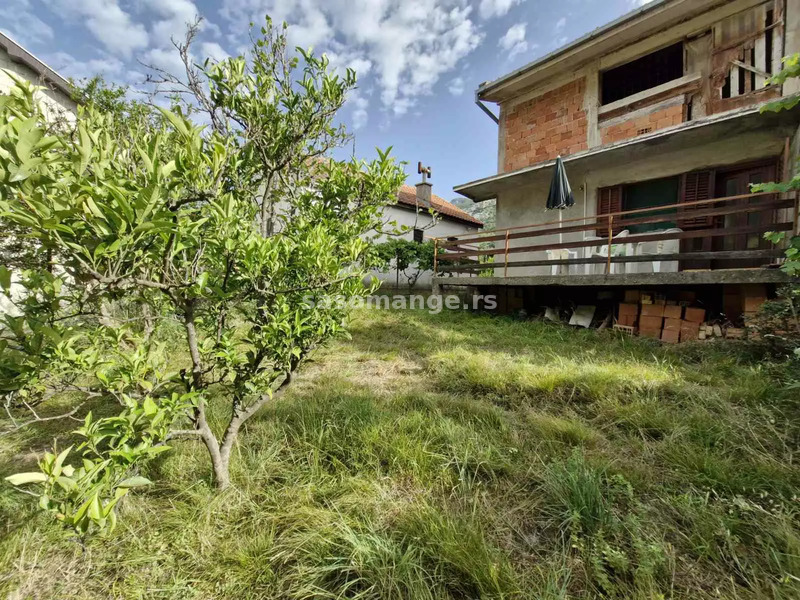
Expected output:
(459, 456)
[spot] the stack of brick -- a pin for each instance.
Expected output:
(657, 318)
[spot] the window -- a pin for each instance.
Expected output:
(418, 236)
(647, 194)
(647, 72)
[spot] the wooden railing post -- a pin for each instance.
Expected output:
(797, 213)
(608, 248)
(505, 271)
(435, 256)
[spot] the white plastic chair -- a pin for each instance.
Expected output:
(616, 250)
(661, 247)
(561, 254)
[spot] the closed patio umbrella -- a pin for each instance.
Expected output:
(560, 196)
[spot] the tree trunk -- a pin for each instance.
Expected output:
(219, 462)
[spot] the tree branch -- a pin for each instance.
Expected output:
(36, 419)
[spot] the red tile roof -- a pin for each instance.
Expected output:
(407, 195)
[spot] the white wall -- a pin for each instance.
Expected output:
(56, 105)
(54, 102)
(442, 227)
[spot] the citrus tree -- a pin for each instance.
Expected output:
(791, 70)
(410, 258)
(234, 231)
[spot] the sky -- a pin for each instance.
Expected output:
(418, 61)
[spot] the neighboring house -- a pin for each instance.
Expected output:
(55, 95)
(413, 210)
(660, 108)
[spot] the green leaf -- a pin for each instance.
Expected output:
(95, 510)
(60, 461)
(177, 122)
(5, 278)
(150, 407)
(85, 148)
(137, 481)
(23, 478)
(66, 483)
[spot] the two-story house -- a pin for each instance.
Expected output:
(654, 112)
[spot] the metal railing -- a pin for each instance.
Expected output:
(462, 253)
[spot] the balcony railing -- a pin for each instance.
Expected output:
(734, 225)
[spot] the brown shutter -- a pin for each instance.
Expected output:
(695, 187)
(609, 200)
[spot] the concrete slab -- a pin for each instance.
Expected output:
(729, 276)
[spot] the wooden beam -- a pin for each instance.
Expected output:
(751, 68)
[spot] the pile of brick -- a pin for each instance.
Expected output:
(653, 316)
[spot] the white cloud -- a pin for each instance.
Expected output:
(561, 23)
(639, 3)
(166, 59)
(406, 47)
(456, 86)
(514, 41)
(343, 59)
(19, 22)
(173, 17)
(360, 104)
(111, 25)
(213, 51)
(109, 67)
(496, 8)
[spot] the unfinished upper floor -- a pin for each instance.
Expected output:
(664, 66)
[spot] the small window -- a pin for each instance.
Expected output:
(649, 194)
(642, 74)
(418, 236)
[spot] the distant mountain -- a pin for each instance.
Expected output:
(485, 211)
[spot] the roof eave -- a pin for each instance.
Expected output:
(496, 91)
(20, 55)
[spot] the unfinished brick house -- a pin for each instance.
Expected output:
(658, 119)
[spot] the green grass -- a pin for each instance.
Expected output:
(459, 456)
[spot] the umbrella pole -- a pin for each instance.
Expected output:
(560, 235)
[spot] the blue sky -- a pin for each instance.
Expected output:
(419, 61)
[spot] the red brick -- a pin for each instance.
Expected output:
(659, 119)
(550, 124)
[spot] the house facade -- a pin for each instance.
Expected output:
(660, 108)
(54, 95)
(422, 216)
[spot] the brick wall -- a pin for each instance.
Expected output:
(659, 119)
(544, 127)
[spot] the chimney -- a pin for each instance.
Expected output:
(424, 194)
(424, 187)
